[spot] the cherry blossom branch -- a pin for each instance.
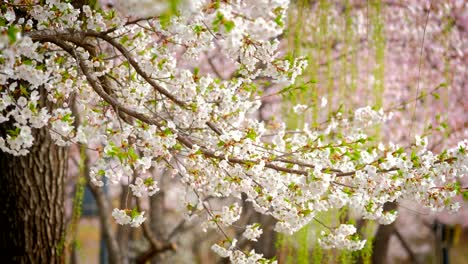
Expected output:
(128, 23)
(186, 141)
(135, 65)
(98, 88)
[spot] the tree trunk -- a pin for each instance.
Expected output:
(266, 242)
(382, 238)
(32, 202)
(158, 212)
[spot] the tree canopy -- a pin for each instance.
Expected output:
(134, 91)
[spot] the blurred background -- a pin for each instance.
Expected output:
(408, 57)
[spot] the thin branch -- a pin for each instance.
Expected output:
(135, 65)
(406, 246)
(419, 69)
(130, 22)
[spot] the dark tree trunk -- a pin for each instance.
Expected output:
(157, 219)
(382, 238)
(32, 203)
(123, 231)
(266, 242)
(158, 212)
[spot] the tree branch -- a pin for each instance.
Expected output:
(98, 87)
(135, 65)
(406, 246)
(157, 246)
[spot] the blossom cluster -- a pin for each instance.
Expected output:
(123, 88)
(128, 217)
(237, 256)
(342, 237)
(252, 232)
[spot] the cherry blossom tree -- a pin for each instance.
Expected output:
(130, 90)
(407, 57)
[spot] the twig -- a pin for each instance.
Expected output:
(419, 70)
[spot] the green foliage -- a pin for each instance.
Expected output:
(134, 213)
(69, 238)
(317, 254)
(465, 195)
(378, 39)
(165, 18)
(334, 78)
(279, 241)
(366, 252)
(303, 247)
(346, 257)
(12, 32)
(221, 20)
(14, 133)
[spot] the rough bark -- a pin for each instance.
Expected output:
(32, 203)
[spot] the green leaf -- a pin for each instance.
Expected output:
(229, 25)
(11, 32)
(124, 39)
(27, 62)
(400, 150)
(113, 151)
(167, 132)
(3, 21)
(251, 134)
(306, 212)
(134, 213)
(32, 107)
(217, 21)
(462, 150)
(414, 159)
(196, 71)
(24, 90)
(198, 29)
(132, 154)
(177, 146)
(14, 133)
(444, 125)
(109, 15)
(66, 118)
(149, 181)
(279, 20)
(165, 18)
(465, 195)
